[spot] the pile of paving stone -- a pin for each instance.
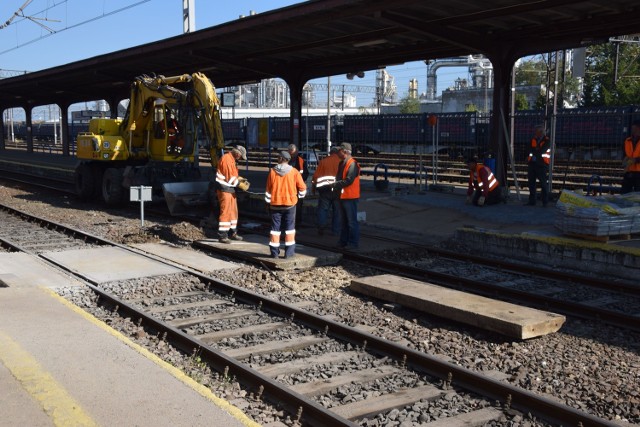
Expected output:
(598, 216)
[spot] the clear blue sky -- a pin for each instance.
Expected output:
(86, 28)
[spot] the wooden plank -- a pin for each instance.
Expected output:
(387, 402)
(317, 388)
(197, 304)
(298, 365)
(274, 346)
(469, 419)
(493, 315)
(228, 333)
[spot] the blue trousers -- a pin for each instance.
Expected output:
(350, 230)
(325, 206)
(283, 220)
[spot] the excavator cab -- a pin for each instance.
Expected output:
(172, 137)
(155, 143)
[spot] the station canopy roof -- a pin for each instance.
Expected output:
(321, 38)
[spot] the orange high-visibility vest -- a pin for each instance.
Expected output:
(326, 172)
(284, 190)
(631, 151)
(352, 191)
(540, 150)
(475, 180)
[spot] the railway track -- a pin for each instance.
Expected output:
(583, 296)
(265, 344)
(613, 302)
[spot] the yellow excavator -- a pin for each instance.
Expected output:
(156, 143)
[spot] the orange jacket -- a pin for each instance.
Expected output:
(227, 172)
(326, 172)
(631, 152)
(540, 149)
(284, 186)
(350, 188)
(482, 179)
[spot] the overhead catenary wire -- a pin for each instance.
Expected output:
(68, 27)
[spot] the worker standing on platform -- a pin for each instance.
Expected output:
(538, 166)
(328, 197)
(483, 182)
(227, 179)
(300, 164)
(631, 162)
(284, 188)
(348, 184)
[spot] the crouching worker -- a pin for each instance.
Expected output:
(486, 186)
(284, 186)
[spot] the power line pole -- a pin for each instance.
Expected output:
(188, 16)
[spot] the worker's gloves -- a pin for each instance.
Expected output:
(468, 201)
(243, 184)
(481, 201)
(628, 162)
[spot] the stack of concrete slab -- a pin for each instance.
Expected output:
(598, 216)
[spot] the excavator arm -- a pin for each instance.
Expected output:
(201, 95)
(205, 94)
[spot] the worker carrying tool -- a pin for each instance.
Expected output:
(227, 180)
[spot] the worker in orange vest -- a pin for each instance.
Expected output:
(348, 183)
(483, 182)
(227, 180)
(284, 188)
(538, 166)
(298, 162)
(631, 162)
(328, 197)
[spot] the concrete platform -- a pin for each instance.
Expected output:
(256, 248)
(189, 258)
(497, 316)
(61, 366)
(18, 270)
(109, 264)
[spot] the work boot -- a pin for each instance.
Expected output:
(223, 238)
(235, 237)
(290, 251)
(275, 252)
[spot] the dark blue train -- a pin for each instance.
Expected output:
(582, 133)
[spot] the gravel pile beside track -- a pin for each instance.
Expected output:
(590, 367)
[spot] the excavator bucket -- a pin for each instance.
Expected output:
(187, 198)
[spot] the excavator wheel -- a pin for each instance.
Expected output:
(112, 189)
(85, 180)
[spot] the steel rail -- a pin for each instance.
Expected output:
(621, 320)
(628, 287)
(309, 411)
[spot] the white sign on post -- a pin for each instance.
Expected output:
(140, 194)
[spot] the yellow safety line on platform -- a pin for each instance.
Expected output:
(59, 405)
(177, 373)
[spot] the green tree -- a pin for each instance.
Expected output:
(532, 72)
(601, 87)
(409, 106)
(521, 102)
